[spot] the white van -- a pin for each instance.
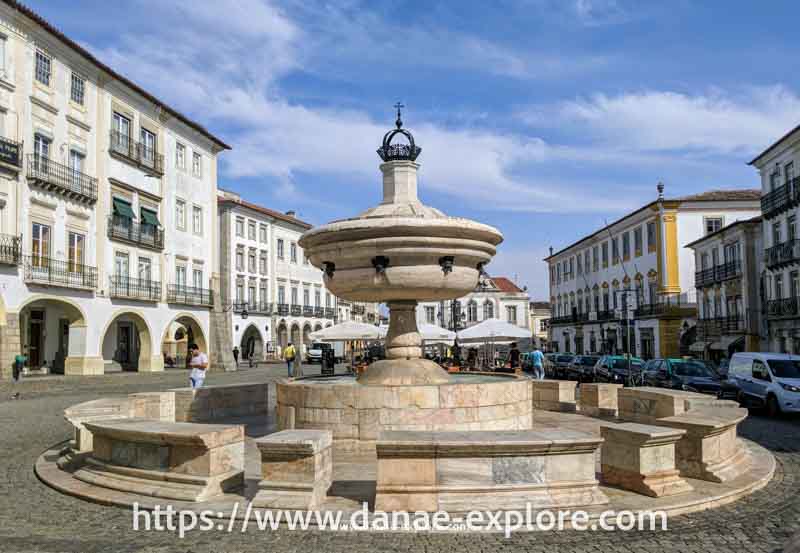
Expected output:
(771, 380)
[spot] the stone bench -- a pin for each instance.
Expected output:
(183, 461)
(461, 471)
(710, 449)
(599, 399)
(641, 458)
(98, 409)
(554, 395)
(648, 404)
(296, 469)
(212, 403)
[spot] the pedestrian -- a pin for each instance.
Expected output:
(514, 356)
(538, 364)
(289, 354)
(198, 362)
(19, 364)
(236, 355)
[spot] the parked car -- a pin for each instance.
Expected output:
(682, 374)
(314, 352)
(770, 380)
(560, 364)
(582, 368)
(615, 369)
(549, 362)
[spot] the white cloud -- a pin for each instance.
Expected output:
(719, 122)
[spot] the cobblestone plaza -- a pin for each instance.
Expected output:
(37, 518)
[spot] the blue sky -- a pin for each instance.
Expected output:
(543, 118)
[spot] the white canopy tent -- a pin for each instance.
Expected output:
(492, 330)
(350, 330)
(432, 334)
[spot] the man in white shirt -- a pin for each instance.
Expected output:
(198, 362)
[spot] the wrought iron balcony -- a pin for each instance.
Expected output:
(283, 309)
(359, 309)
(785, 253)
(189, 295)
(297, 310)
(784, 197)
(53, 272)
(717, 274)
(783, 308)
(319, 312)
(607, 315)
(136, 153)
(708, 329)
(732, 324)
(10, 154)
(253, 307)
(308, 311)
(134, 232)
(72, 183)
(10, 249)
(134, 288)
(330, 313)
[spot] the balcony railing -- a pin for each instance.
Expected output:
(359, 309)
(189, 295)
(137, 153)
(54, 272)
(283, 309)
(606, 315)
(783, 254)
(10, 249)
(134, 232)
(718, 273)
(135, 288)
(11, 153)
(319, 312)
(253, 307)
(330, 313)
(782, 198)
(308, 311)
(48, 174)
(570, 319)
(296, 310)
(783, 308)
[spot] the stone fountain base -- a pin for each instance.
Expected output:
(357, 412)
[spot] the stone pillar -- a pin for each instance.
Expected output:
(10, 344)
(220, 354)
(403, 341)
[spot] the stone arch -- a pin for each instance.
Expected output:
(175, 348)
(129, 344)
(307, 335)
(317, 327)
(328, 325)
(252, 343)
(605, 285)
(295, 336)
(53, 334)
(282, 334)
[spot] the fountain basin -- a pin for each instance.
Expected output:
(357, 413)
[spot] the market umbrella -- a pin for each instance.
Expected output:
(433, 334)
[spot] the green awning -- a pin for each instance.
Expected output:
(122, 208)
(149, 217)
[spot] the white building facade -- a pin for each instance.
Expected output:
(630, 285)
(779, 169)
(540, 322)
(266, 275)
(108, 206)
(493, 298)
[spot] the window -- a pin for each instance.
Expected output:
(430, 314)
(317, 298)
(197, 164)
(121, 135)
(41, 151)
(488, 310)
(788, 172)
(77, 89)
(327, 299)
(791, 227)
(558, 273)
(121, 264)
(651, 237)
(76, 160)
(282, 294)
(43, 68)
(280, 248)
(704, 261)
(262, 234)
(262, 292)
(197, 219)
(251, 230)
(626, 246)
(76, 249)
(180, 156)
(794, 284)
(511, 314)
(293, 252)
(251, 261)
(2, 56)
(240, 227)
(596, 258)
(713, 224)
(240, 291)
(776, 233)
(306, 297)
(731, 252)
(180, 275)
(615, 251)
(148, 140)
(251, 295)
(180, 214)
(294, 296)
(774, 180)
(605, 254)
(40, 243)
(580, 265)
(262, 263)
(586, 266)
(145, 269)
(637, 241)
(197, 278)
(472, 311)
(778, 286)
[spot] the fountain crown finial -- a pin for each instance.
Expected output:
(398, 152)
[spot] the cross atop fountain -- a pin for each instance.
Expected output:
(399, 121)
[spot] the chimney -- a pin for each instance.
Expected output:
(291, 213)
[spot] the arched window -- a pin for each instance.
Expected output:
(488, 310)
(472, 311)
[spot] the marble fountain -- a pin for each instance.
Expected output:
(406, 435)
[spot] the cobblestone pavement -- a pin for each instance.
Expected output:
(35, 518)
